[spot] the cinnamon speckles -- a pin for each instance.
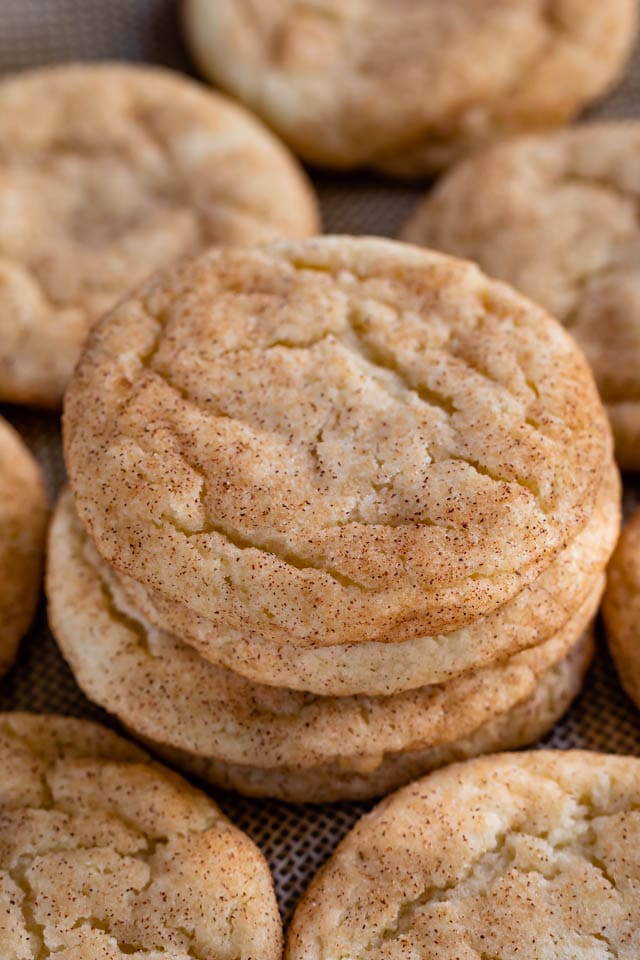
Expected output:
(332, 441)
(511, 856)
(105, 855)
(220, 725)
(535, 613)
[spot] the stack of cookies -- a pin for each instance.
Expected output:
(341, 510)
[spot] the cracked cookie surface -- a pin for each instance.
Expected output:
(108, 172)
(621, 607)
(105, 855)
(514, 856)
(333, 441)
(557, 217)
(163, 690)
(409, 86)
(23, 522)
(536, 612)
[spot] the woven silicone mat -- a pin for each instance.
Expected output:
(295, 839)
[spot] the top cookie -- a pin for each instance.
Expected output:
(516, 856)
(106, 173)
(556, 216)
(23, 522)
(333, 441)
(409, 86)
(104, 855)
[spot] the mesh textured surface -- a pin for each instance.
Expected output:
(295, 839)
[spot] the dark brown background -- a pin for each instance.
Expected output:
(295, 839)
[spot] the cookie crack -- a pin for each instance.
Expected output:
(435, 894)
(124, 619)
(379, 359)
(407, 910)
(529, 486)
(354, 516)
(242, 543)
(36, 930)
(433, 399)
(27, 907)
(271, 549)
(238, 540)
(491, 381)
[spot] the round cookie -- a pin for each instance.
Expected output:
(556, 216)
(536, 612)
(104, 855)
(621, 607)
(516, 856)
(406, 86)
(164, 691)
(333, 441)
(108, 172)
(23, 521)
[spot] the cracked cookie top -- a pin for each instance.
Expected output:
(621, 607)
(108, 172)
(163, 690)
(409, 86)
(23, 522)
(333, 441)
(533, 615)
(105, 855)
(557, 216)
(511, 856)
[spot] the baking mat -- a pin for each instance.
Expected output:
(295, 839)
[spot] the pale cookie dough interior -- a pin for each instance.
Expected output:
(23, 521)
(108, 172)
(621, 607)
(437, 440)
(532, 616)
(409, 86)
(104, 855)
(514, 856)
(557, 216)
(163, 690)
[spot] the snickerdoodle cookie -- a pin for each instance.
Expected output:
(622, 607)
(513, 856)
(556, 216)
(108, 172)
(536, 612)
(23, 520)
(409, 86)
(333, 441)
(104, 855)
(163, 691)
